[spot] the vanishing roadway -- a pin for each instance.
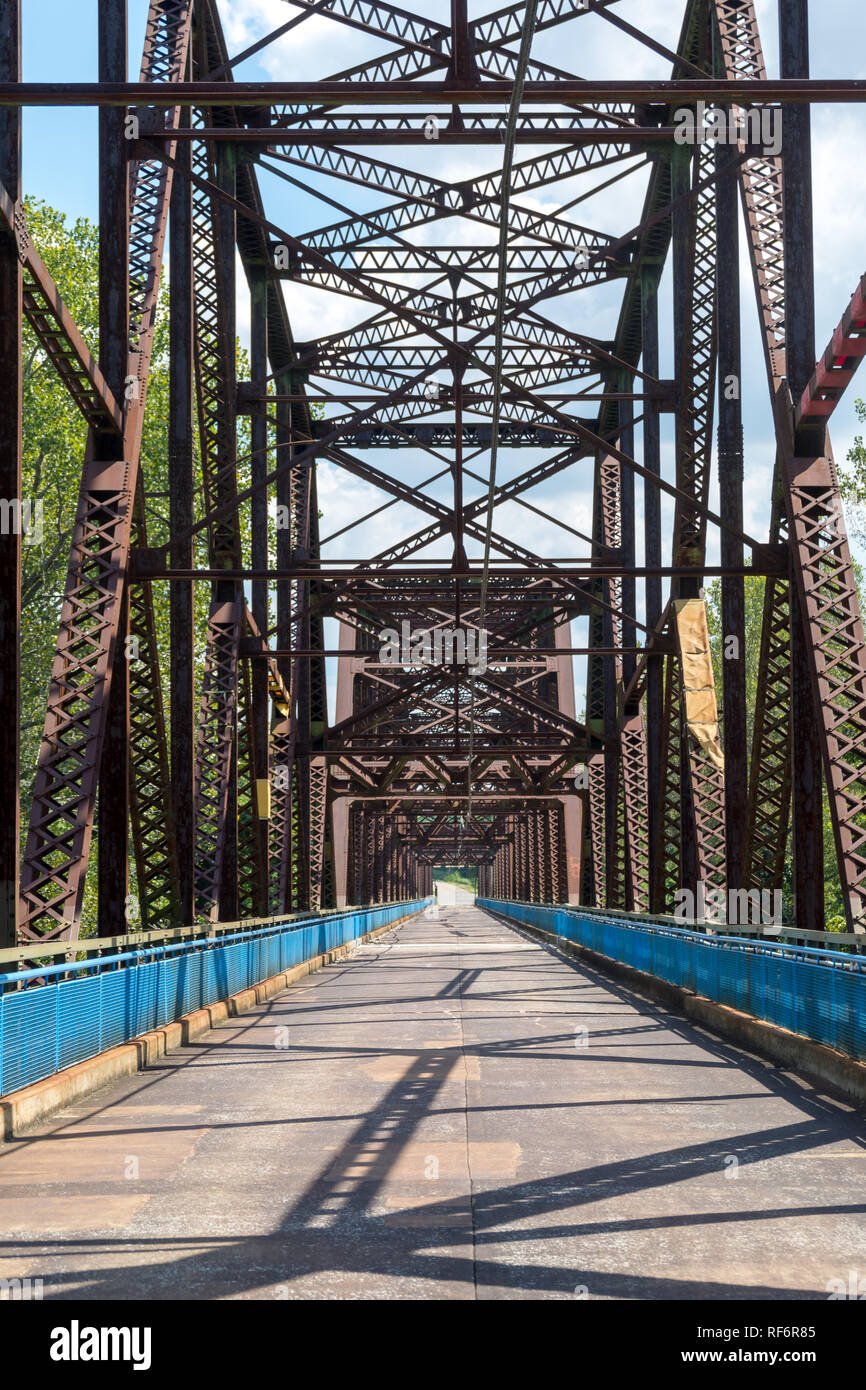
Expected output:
(453, 1111)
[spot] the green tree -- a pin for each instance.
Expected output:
(466, 877)
(55, 437)
(852, 481)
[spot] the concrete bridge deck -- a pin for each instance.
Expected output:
(452, 1112)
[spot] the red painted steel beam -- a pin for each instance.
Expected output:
(836, 366)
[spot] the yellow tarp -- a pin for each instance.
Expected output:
(698, 680)
(263, 798)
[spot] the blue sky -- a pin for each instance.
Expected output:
(60, 166)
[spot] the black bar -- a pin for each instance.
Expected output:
(113, 815)
(259, 559)
(730, 459)
(181, 516)
(683, 90)
(10, 489)
(807, 802)
(652, 555)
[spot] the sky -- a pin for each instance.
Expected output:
(60, 166)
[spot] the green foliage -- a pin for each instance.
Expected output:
(852, 482)
(55, 435)
(55, 438)
(464, 877)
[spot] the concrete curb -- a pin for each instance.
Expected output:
(20, 1110)
(813, 1060)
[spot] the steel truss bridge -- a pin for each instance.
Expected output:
(252, 798)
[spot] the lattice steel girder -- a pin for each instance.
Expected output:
(636, 804)
(57, 331)
(253, 858)
(475, 309)
(424, 201)
(213, 265)
(479, 128)
(151, 811)
(697, 367)
(441, 198)
(11, 452)
(378, 335)
(837, 655)
(771, 779)
(58, 841)
(465, 349)
(760, 184)
(476, 47)
(363, 798)
(215, 751)
(769, 804)
(401, 259)
(64, 793)
(836, 366)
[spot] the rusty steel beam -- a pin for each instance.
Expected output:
(11, 421)
(681, 91)
(731, 472)
(181, 481)
(216, 743)
(283, 804)
(807, 798)
(114, 342)
(92, 633)
(54, 326)
(769, 798)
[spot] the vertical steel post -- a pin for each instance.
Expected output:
(730, 457)
(259, 559)
(631, 815)
(653, 558)
(459, 559)
(463, 65)
(284, 875)
(114, 347)
(683, 255)
(572, 819)
(807, 777)
(10, 487)
(181, 482)
(628, 588)
(226, 590)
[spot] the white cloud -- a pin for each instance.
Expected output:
(590, 46)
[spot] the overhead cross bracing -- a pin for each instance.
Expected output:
(457, 320)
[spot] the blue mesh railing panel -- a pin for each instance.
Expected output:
(818, 993)
(61, 1021)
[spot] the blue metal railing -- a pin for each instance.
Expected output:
(85, 1007)
(819, 993)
